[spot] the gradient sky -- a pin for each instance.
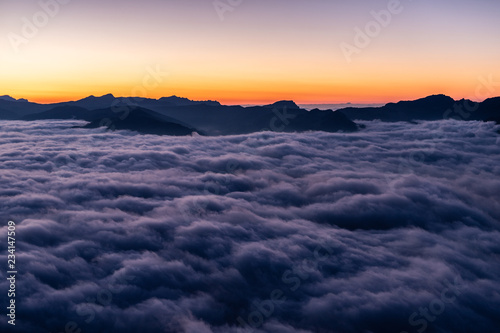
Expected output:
(263, 50)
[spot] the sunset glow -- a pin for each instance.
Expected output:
(260, 52)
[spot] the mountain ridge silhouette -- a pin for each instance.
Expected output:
(213, 118)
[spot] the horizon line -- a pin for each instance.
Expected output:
(233, 103)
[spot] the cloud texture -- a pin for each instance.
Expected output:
(392, 229)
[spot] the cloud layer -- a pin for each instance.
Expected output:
(392, 229)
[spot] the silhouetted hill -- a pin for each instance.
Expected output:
(283, 104)
(434, 107)
(141, 120)
(11, 109)
(323, 120)
(63, 112)
(15, 109)
(212, 118)
(11, 99)
(488, 110)
(93, 103)
(135, 119)
(181, 101)
(229, 120)
(428, 108)
(8, 98)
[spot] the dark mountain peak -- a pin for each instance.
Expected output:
(432, 107)
(463, 100)
(283, 104)
(174, 99)
(492, 100)
(182, 101)
(109, 97)
(439, 99)
(92, 102)
(316, 110)
(140, 120)
(8, 98)
(488, 110)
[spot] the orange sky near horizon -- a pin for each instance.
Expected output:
(259, 53)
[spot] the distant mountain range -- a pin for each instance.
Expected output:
(177, 116)
(433, 107)
(181, 116)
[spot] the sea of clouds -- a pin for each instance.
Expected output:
(391, 229)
